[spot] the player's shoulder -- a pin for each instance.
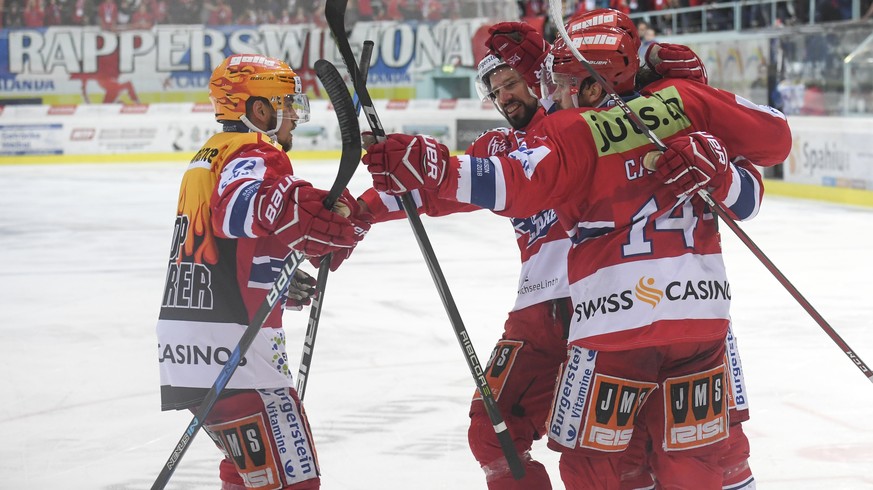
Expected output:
(678, 85)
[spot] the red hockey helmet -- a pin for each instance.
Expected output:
(610, 51)
(605, 17)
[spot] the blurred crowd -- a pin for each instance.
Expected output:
(143, 14)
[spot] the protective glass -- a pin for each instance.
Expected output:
(554, 87)
(292, 106)
(487, 92)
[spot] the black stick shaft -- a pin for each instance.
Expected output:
(335, 14)
(324, 265)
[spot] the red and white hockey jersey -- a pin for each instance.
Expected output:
(644, 270)
(542, 243)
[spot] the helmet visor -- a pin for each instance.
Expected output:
(509, 83)
(292, 106)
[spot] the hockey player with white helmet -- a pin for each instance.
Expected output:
(588, 165)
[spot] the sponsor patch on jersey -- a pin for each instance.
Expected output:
(536, 226)
(615, 403)
(571, 396)
(246, 442)
(500, 366)
(696, 412)
(663, 112)
(738, 395)
(291, 434)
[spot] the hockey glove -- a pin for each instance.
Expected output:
(348, 206)
(301, 289)
(403, 163)
(692, 162)
(297, 215)
(521, 46)
(675, 61)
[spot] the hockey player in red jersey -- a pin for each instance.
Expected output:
(240, 208)
(646, 277)
(518, 42)
(527, 358)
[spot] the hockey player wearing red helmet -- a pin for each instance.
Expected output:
(643, 332)
(240, 211)
(525, 49)
(569, 80)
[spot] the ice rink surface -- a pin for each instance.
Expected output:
(83, 250)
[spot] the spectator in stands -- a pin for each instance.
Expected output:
(183, 12)
(365, 10)
(107, 13)
(647, 38)
(126, 8)
(142, 18)
(218, 13)
(159, 10)
(53, 14)
(34, 15)
(248, 17)
(81, 13)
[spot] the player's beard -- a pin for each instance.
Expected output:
(521, 117)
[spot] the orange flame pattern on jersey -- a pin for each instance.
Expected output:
(197, 185)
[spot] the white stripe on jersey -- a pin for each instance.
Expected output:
(484, 187)
(757, 107)
(249, 217)
(636, 294)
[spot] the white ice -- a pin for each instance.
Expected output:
(82, 256)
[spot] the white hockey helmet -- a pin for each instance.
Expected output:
(486, 68)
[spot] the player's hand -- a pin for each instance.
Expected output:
(360, 219)
(521, 46)
(367, 140)
(308, 227)
(676, 61)
(692, 162)
(403, 163)
(300, 292)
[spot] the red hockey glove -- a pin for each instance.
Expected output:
(521, 47)
(676, 61)
(301, 289)
(295, 212)
(348, 206)
(403, 163)
(693, 162)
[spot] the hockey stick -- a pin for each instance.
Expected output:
(351, 155)
(557, 19)
(335, 14)
(364, 69)
(324, 266)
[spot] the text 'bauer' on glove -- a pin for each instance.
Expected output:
(403, 163)
(293, 210)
